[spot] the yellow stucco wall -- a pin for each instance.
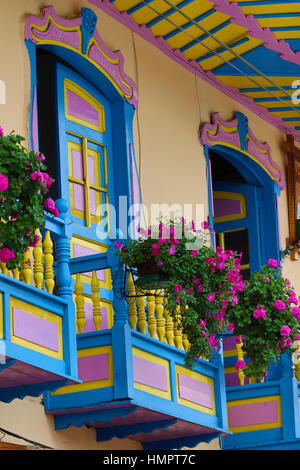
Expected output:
(172, 104)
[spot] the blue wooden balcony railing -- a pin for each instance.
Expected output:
(37, 328)
(134, 382)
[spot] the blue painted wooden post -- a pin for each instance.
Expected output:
(121, 331)
(219, 386)
(289, 398)
(64, 281)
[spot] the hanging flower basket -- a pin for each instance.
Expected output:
(24, 186)
(266, 319)
(150, 277)
(198, 281)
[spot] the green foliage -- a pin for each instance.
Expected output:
(257, 320)
(22, 202)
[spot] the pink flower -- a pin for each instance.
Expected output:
(36, 239)
(239, 364)
(172, 250)
(162, 240)
(230, 327)
(279, 304)
(202, 323)
(235, 300)
(209, 260)
(200, 288)
(204, 225)
(297, 337)
(3, 182)
(6, 254)
(221, 265)
(55, 212)
(292, 300)
(50, 204)
(195, 280)
(259, 313)
(178, 288)
(155, 246)
(296, 312)
(40, 157)
(1, 132)
(190, 291)
(272, 262)
(159, 263)
(194, 252)
(285, 331)
(211, 297)
(237, 340)
(118, 245)
(178, 300)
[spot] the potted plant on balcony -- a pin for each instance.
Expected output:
(265, 319)
(24, 186)
(199, 282)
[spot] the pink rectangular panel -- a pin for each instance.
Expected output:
(93, 202)
(93, 367)
(149, 373)
(77, 165)
(80, 250)
(89, 325)
(253, 413)
(79, 202)
(195, 391)
(35, 329)
(223, 207)
(91, 169)
(229, 343)
(81, 109)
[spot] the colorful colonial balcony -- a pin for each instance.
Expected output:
(263, 415)
(134, 383)
(37, 328)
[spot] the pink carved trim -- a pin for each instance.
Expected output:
(254, 29)
(135, 192)
(193, 66)
(216, 133)
(34, 123)
(50, 28)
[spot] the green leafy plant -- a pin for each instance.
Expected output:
(265, 319)
(24, 186)
(201, 281)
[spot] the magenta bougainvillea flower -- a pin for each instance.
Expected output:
(259, 313)
(273, 263)
(240, 364)
(6, 254)
(3, 182)
(178, 288)
(285, 330)
(211, 297)
(279, 304)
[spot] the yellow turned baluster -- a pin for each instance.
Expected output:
(151, 315)
(159, 310)
(185, 342)
(177, 330)
(16, 273)
(48, 260)
(95, 286)
(140, 302)
(296, 358)
(38, 262)
(79, 300)
(240, 357)
(4, 268)
(168, 323)
(132, 312)
(26, 267)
